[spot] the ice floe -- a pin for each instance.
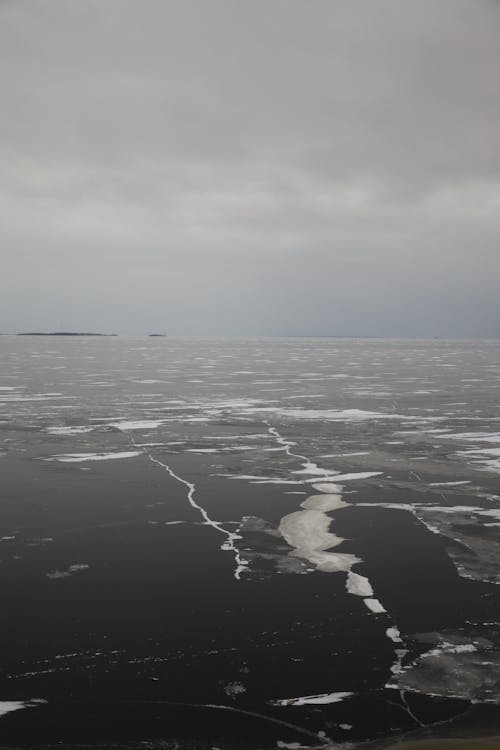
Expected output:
(394, 634)
(358, 585)
(456, 666)
(307, 531)
(375, 606)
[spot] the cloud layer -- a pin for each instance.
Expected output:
(259, 167)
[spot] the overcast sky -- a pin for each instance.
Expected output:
(248, 167)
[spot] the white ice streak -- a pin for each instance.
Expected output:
(347, 477)
(482, 437)
(255, 479)
(82, 457)
(334, 415)
(343, 455)
(8, 706)
(481, 452)
(8, 397)
(321, 699)
(75, 430)
(226, 449)
(448, 484)
(144, 424)
(254, 436)
(202, 450)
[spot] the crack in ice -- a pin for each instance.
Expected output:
(231, 536)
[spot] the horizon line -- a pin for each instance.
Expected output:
(101, 334)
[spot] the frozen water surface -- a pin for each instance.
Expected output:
(198, 528)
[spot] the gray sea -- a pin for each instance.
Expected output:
(266, 543)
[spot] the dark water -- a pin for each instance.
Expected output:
(161, 581)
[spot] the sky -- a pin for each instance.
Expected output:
(250, 167)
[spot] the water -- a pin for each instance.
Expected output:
(247, 542)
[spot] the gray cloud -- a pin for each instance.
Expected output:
(258, 167)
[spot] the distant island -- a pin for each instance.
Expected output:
(161, 335)
(63, 333)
